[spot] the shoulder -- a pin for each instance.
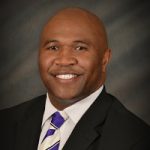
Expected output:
(22, 114)
(125, 126)
(125, 117)
(15, 113)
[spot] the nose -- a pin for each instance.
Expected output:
(65, 58)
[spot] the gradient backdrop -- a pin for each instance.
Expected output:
(128, 26)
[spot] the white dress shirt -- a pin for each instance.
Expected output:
(75, 112)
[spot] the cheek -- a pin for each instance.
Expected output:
(93, 74)
(91, 63)
(93, 67)
(44, 61)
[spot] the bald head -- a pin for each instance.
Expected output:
(83, 18)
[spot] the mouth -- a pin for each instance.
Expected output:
(66, 76)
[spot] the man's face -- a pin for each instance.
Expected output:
(71, 60)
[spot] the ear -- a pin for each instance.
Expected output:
(105, 59)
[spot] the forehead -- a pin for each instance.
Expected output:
(69, 32)
(74, 26)
(69, 28)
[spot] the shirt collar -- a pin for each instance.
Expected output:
(75, 111)
(49, 109)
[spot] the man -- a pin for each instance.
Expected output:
(73, 57)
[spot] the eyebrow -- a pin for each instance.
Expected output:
(49, 41)
(82, 42)
(56, 41)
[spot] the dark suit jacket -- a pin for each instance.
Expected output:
(107, 125)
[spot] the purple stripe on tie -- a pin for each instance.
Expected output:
(54, 147)
(57, 119)
(48, 133)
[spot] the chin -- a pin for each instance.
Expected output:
(66, 101)
(67, 98)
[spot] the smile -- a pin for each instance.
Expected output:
(66, 76)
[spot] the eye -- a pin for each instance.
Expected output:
(80, 48)
(53, 48)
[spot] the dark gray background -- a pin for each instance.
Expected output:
(128, 26)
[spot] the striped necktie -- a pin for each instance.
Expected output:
(51, 140)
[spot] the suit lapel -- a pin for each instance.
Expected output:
(90, 125)
(28, 129)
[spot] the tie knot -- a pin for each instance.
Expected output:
(58, 119)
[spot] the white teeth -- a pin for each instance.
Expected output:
(66, 76)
